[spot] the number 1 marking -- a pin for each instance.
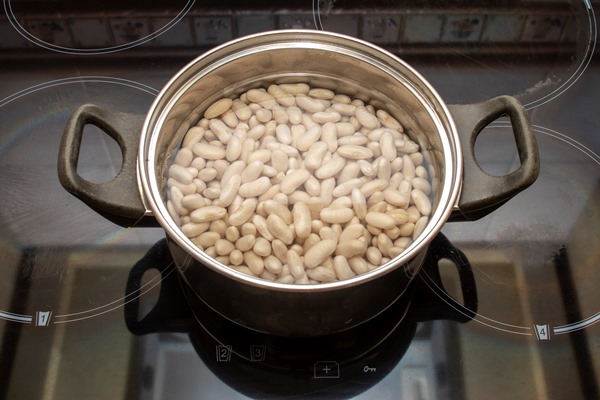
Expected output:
(42, 318)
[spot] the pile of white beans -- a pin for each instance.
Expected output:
(299, 185)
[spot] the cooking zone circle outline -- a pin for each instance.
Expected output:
(92, 51)
(112, 80)
(512, 328)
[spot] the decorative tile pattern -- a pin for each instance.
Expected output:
(213, 30)
(51, 31)
(503, 28)
(178, 35)
(91, 32)
(381, 29)
(296, 21)
(129, 29)
(543, 28)
(462, 28)
(422, 28)
(254, 23)
(346, 24)
(10, 38)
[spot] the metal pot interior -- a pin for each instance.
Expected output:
(342, 64)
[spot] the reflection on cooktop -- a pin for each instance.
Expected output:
(268, 366)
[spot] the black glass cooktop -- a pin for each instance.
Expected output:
(505, 307)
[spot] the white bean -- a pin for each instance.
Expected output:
(254, 262)
(321, 93)
(329, 135)
(326, 116)
(294, 180)
(355, 152)
(330, 168)
(273, 264)
(295, 88)
(388, 150)
(359, 203)
(261, 97)
(358, 265)
(252, 171)
(342, 268)
(193, 201)
(409, 168)
(311, 136)
(222, 131)
(366, 168)
(295, 264)
(295, 115)
(319, 252)
(365, 118)
(380, 220)
(180, 174)
(207, 151)
(327, 186)
(243, 213)
(282, 97)
(217, 108)
(255, 188)
(233, 149)
(314, 156)
(350, 171)
(207, 174)
(321, 274)
(373, 186)
(241, 110)
(184, 157)
(208, 213)
(262, 247)
(279, 229)
(333, 215)
(346, 110)
(229, 190)
(352, 231)
(265, 116)
(193, 136)
(284, 134)
(309, 104)
(421, 201)
(346, 188)
(302, 219)
(312, 186)
(193, 229)
(207, 239)
(351, 248)
(356, 140)
(275, 207)
(421, 184)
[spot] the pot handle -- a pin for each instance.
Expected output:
(171, 312)
(118, 200)
(433, 303)
(483, 193)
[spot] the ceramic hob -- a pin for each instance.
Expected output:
(505, 307)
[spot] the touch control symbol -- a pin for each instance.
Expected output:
(327, 369)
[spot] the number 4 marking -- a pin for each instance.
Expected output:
(542, 332)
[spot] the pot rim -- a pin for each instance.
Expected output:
(153, 199)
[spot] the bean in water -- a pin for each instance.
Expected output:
(299, 184)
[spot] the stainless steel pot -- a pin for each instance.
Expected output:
(346, 65)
